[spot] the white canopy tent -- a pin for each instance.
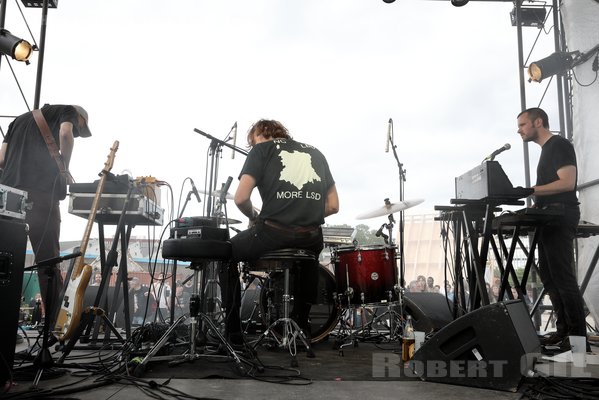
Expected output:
(582, 33)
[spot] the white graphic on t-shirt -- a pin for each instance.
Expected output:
(297, 169)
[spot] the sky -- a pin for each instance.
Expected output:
(333, 71)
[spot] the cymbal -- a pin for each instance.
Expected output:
(216, 193)
(390, 208)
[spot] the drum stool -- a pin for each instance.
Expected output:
(285, 260)
(199, 252)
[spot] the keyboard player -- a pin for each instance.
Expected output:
(556, 189)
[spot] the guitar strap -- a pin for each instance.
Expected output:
(42, 124)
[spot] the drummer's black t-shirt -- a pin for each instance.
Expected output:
(293, 179)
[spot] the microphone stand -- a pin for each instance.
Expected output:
(187, 200)
(215, 148)
(402, 283)
(44, 360)
(402, 179)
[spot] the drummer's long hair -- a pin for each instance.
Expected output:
(269, 128)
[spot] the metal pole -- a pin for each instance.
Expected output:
(40, 61)
(561, 77)
(2, 19)
(518, 5)
(2, 13)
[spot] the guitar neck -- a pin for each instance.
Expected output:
(94, 208)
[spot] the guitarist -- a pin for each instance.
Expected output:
(28, 165)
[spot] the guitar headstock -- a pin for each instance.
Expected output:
(110, 161)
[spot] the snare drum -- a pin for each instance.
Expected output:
(366, 274)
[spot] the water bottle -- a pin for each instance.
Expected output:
(407, 340)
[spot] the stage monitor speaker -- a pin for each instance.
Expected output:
(492, 347)
(13, 243)
(430, 311)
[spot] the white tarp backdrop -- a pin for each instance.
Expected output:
(580, 18)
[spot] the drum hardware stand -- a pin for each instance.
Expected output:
(211, 304)
(393, 317)
(193, 191)
(346, 334)
(210, 299)
(248, 278)
(290, 328)
(196, 317)
(395, 331)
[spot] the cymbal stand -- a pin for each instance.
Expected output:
(402, 180)
(394, 318)
(399, 288)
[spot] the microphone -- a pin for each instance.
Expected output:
(194, 189)
(234, 139)
(389, 131)
(225, 189)
(380, 233)
(491, 156)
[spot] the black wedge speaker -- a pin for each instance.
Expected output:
(430, 311)
(492, 347)
(13, 243)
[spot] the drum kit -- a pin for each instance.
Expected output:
(365, 278)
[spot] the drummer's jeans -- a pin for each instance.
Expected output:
(249, 245)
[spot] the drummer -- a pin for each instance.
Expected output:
(298, 192)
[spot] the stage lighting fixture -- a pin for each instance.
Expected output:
(559, 62)
(556, 63)
(39, 3)
(530, 16)
(459, 3)
(15, 47)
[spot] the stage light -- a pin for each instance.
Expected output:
(39, 3)
(556, 63)
(530, 16)
(15, 47)
(388, 1)
(459, 3)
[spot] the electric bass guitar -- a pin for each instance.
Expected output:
(71, 306)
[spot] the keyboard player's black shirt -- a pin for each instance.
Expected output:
(556, 153)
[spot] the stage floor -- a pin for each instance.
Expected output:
(370, 367)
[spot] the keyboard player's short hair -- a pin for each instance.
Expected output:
(534, 113)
